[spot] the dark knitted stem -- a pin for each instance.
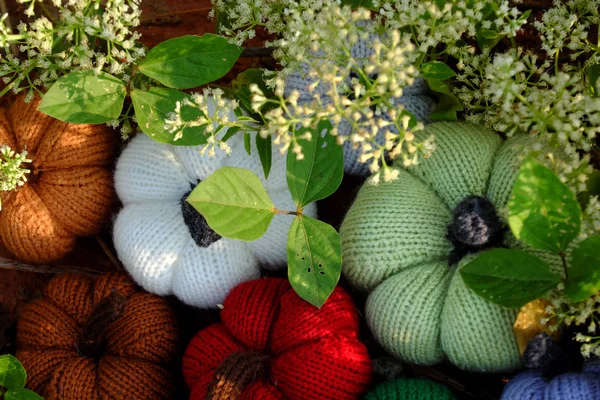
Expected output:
(475, 226)
(235, 373)
(92, 337)
(202, 234)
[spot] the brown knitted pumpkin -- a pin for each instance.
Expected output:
(107, 339)
(69, 191)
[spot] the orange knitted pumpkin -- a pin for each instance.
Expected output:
(69, 191)
(107, 339)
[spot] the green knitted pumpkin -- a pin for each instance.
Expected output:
(395, 246)
(410, 389)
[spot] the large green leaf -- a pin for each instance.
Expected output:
(510, 278)
(12, 373)
(234, 203)
(83, 97)
(584, 273)
(314, 256)
(21, 394)
(321, 170)
(153, 107)
(190, 61)
(543, 211)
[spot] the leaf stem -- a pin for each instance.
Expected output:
(563, 257)
(277, 211)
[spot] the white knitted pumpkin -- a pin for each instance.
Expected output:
(167, 253)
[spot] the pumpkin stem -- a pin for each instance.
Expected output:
(475, 226)
(91, 340)
(235, 373)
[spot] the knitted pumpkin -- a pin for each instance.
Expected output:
(271, 344)
(69, 191)
(549, 378)
(414, 99)
(166, 245)
(97, 340)
(410, 389)
(404, 241)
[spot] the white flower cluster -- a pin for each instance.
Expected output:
(317, 39)
(584, 313)
(515, 92)
(244, 16)
(88, 34)
(12, 174)
(216, 116)
(566, 27)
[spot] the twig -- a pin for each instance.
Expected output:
(563, 257)
(109, 253)
(6, 263)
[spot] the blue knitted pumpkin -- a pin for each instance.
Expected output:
(548, 376)
(532, 385)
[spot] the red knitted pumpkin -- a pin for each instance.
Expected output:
(101, 340)
(272, 345)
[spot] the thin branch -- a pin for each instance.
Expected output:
(563, 257)
(107, 251)
(6, 263)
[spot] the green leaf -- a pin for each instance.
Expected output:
(81, 97)
(247, 143)
(265, 153)
(241, 87)
(223, 22)
(321, 170)
(21, 394)
(489, 34)
(510, 278)
(234, 203)
(190, 61)
(448, 105)
(437, 70)
(593, 189)
(12, 373)
(153, 107)
(543, 211)
(584, 274)
(593, 74)
(354, 4)
(314, 256)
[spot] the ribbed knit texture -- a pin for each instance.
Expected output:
(309, 353)
(69, 192)
(151, 236)
(530, 385)
(394, 247)
(138, 343)
(410, 389)
(414, 100)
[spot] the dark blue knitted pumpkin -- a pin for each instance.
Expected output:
(532, 385)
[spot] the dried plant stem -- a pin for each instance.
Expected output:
(109, 254)
(6, 263)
